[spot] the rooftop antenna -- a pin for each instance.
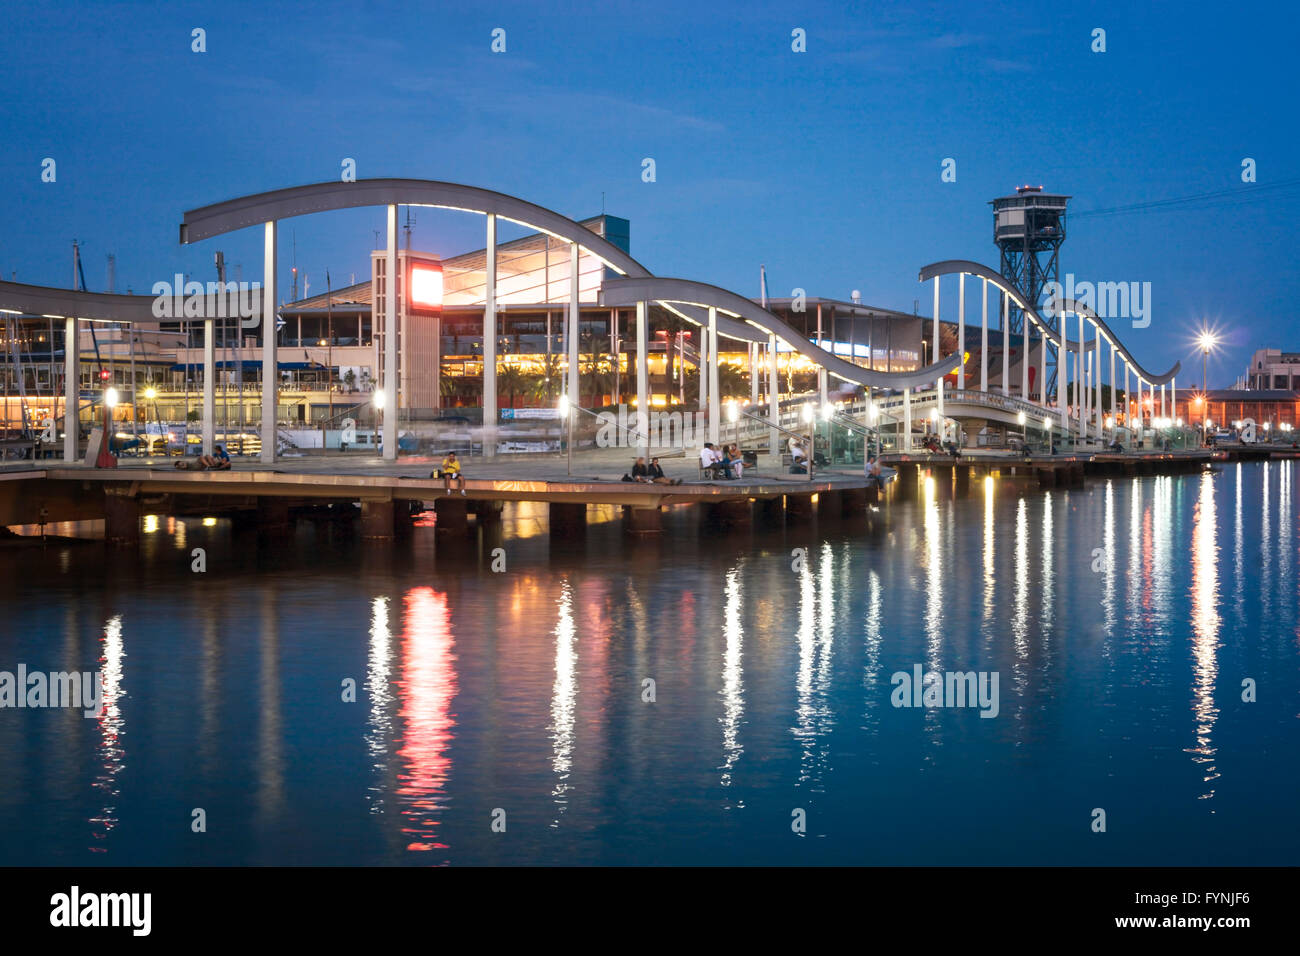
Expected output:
(112, 272)
(294, 294)
(602, 202)
(410, 221)
(762, 284)
(376, 232)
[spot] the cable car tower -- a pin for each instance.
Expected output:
(1029, 228)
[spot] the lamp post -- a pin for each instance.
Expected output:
(810, 417)
(567, 414)
(151, 395)
(377, 401)
(106, 459)
(1207, 341)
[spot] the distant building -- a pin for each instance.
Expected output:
(1224, 406)
(1272, 368)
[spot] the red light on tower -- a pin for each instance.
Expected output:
(104, 375)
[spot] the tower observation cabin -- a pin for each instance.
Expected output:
(1029, 228)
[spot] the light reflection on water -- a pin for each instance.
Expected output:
(525, 691)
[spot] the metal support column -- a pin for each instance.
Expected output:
(1006, 348)
(773, 399)
(1062, 380)
(572, 388)
(1024, 357)
(715, 424)
(984, 337)
(391, 403)
(642, 376)
(209, 386)
(71, 389)
(961, 330)
(270, 373)
(905, 439)
(936, 320)
(490, 340)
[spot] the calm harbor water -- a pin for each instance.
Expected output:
(1121, 619)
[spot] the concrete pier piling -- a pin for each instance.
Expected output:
(121, 517)
(567, 519)
(453, 514)
(642, 520)
(800, 507)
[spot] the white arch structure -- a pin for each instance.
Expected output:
(723, 313)
(734, 316)
(1084, 350)
(267, 209)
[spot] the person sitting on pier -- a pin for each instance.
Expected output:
(712, 461)
(873, 472)
(735, 460)
(217, 461)
(657, 474)
(451, 472)
(651, 473)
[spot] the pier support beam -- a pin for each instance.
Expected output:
(853, 501)
(733, 512)
(771, 511)
(829, 504)
(377, 519)
(962, 475)
(909, 474)
(487, 512)
(642, 520)
(273, 517)
(799, 507)
(453, 514)
(121, 517)
(568, 519)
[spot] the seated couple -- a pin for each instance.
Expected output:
(722, 462)
(217, 461)
(651, 473)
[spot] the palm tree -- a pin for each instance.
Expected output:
(512, 381)
(543, 386)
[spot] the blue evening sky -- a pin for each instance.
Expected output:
(823, 165)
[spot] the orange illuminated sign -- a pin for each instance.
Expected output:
(425, 286)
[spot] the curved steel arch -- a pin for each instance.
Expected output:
(954, 266)
(71, 304)
(1069, 305)
(218, 218)
(625, 292)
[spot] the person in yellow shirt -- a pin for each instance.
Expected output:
(451, 471)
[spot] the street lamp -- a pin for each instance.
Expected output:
(105, 459)
(1207, 341)
(377, 402)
